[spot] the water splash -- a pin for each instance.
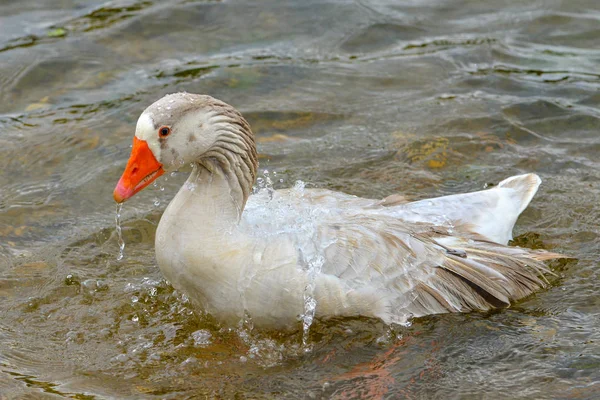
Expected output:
(296, 216)
(310, 302)
(299, 187)
(119, 232)
(269, 184)
(264, 184)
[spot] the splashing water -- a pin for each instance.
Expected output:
(264, 183)
(119, 232)
(269, 215)
(310, 303)
(269, 184)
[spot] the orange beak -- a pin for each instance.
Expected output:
(141, 170)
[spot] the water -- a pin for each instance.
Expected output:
(119, 231)
(310, 303)
(269, 216)
(422, 98)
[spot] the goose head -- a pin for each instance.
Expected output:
(185, 128)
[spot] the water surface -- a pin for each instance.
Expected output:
(371, 98)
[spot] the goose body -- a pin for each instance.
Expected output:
(267, 255)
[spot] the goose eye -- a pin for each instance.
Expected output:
(164, 131)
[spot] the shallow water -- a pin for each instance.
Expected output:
(371, 98)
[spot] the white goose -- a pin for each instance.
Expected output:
(352, 256)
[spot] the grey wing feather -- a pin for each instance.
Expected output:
(423, 271)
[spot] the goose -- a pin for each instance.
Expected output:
(279, 256)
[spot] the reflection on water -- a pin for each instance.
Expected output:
(371, 98)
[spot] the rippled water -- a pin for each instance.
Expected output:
(371, 98)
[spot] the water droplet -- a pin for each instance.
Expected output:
(119, 233)
(135, 318)
(135, 299)
(129, 287)
(162, 188)
(243, 359)
(201, 337)
(314, 266)
(71, 280)
(299, 187)
(157, 202)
